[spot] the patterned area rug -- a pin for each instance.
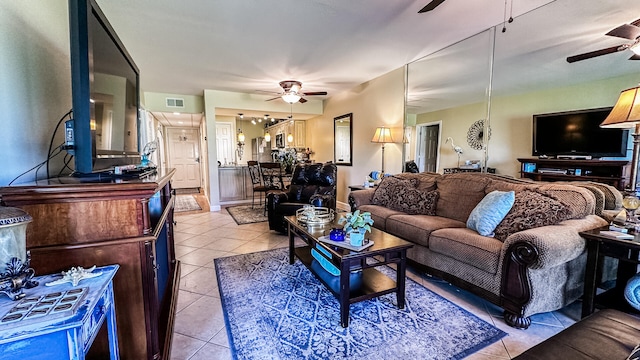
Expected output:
(244, 214)
(186, 203)
(274, 310)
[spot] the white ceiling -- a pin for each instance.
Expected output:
(329, 45)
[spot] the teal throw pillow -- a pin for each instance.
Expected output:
(490, 211)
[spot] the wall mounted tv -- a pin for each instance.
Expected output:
(105, 92)
(578, 133)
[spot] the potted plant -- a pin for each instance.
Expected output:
(356, 225)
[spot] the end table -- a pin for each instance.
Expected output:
(38, 334)
(600, 245)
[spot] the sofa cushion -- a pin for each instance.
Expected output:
(531, 210)
(389, 188)
(580, 201)
(379, 214)
(467, 246)
(490, 211)
(417, 228)
(459, 194)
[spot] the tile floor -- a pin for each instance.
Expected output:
(200, 330)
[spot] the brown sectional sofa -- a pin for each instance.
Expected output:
(530, 271)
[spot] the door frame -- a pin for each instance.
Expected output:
(419, 139)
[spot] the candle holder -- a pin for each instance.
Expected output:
(15, 271)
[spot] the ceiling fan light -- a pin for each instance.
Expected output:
(291, 98)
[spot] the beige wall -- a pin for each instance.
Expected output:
(379, 102)
(35, 84)
(193, 104)
(511, 120)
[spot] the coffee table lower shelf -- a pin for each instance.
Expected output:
(372, 282)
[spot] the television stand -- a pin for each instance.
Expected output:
(612, 172)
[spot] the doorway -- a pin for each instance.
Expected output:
(184, 156)
(428, 146)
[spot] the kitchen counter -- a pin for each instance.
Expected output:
(235, 183)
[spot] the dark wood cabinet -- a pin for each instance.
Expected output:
(613, 172)
(78, 222)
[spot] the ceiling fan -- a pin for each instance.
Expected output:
(430, 6)
(291, 92)
(624, 31)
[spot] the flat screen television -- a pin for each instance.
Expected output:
(105, 92)
(578, 133)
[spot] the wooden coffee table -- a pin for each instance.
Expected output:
(358, 280)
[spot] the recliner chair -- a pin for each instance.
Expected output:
(313, 184)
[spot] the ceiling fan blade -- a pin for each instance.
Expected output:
(625, 31)
(593, 54)
(635, 57)
(316, 93)
(430, 6)
(277, 97)
(302, 100)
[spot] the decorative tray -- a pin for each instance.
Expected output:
(345, 244)
(315, 216)
(53, 305)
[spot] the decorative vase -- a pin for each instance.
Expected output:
(356, 238)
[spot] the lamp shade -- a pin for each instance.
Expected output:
(382, 135)
(626, 112)
(267, 137)
(241, 137)
(290, 138)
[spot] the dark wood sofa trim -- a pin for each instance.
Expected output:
(515, 288)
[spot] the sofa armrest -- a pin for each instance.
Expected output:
(275, 197)
(360, 197)
(554, 244)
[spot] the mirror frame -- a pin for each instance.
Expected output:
(336, 120)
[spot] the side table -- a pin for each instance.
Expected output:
(599, 246)
(58, 328)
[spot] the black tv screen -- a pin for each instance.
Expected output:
(578, 133)
(105, 92)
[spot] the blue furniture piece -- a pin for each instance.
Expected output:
(60, 321)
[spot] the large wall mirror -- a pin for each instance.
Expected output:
(343, 139)
(504, 78)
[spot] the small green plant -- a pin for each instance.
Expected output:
(356, 221)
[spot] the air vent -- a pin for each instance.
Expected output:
(175, 102)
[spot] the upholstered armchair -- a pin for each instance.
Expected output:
(313, 184)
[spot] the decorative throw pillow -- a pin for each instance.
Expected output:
(531, 210)
(415, 202)
(389, 188)
(490, 211)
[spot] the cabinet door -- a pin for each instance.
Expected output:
(299, 134)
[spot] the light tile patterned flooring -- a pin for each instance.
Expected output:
(200, 332)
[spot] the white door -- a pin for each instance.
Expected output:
(224, 143)
(184, 156)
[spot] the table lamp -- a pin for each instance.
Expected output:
(626, 114)
(15, 273)
(382, 136)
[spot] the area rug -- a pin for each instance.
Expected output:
(185, 191)
(274, 310)
(186, 203)
(244, 214)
